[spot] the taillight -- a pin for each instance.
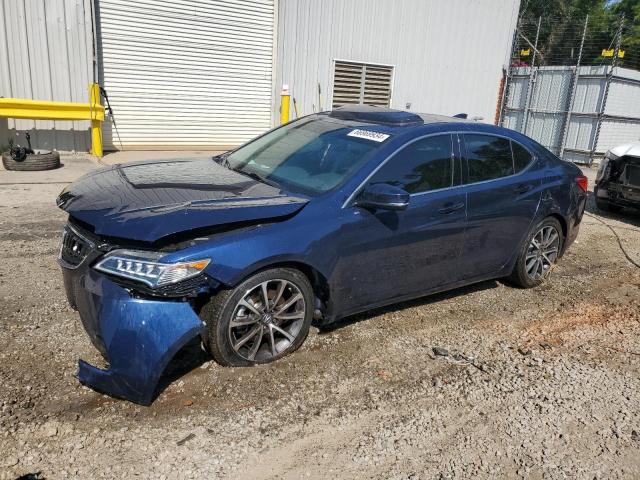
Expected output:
(583, 182)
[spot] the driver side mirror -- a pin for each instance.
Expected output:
(384, 197)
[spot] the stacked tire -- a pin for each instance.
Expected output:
(32, 162)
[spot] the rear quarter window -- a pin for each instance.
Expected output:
(521, 157)
(488, 157)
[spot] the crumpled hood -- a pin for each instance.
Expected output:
(149, 200)
(631, 149)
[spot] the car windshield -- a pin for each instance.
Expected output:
(312, 155)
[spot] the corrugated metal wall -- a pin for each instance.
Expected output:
(185, 74)
(46, 54)
(447, 55)
(622, 123)
(548, 108)
(200, 73)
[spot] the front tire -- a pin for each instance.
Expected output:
(261, 320)
(538, 254)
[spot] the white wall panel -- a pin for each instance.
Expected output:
(447, 56)
(614, 133)
(624, 94)
(46, 54)
(187, 74)
(547, 114)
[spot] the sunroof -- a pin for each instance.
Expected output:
(372, 114)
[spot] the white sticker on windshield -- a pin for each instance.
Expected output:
(368, 135)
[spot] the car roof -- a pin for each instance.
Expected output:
(389, 120)
(389, 116)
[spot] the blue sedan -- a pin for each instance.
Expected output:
(324, 217)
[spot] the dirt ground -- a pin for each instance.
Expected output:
(540, 383)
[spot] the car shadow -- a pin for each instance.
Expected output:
(187, 359)
(192, 355)
(627, 215)
(422, 301)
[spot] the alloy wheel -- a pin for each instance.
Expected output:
(542, 252)
(267, 320)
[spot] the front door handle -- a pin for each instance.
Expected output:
(451, 207)
(523, 188)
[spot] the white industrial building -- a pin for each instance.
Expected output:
(208, 74)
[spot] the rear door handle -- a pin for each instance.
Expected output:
(451, 207)
(523, 188)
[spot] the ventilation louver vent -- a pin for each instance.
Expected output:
(361, 83)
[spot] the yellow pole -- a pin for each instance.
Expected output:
(96, 125)
(285, 98)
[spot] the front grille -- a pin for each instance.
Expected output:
(74, 248)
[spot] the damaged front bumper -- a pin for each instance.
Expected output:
(618, 180)
(137, 336)
(619, 194)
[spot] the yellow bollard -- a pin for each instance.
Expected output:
(96, 125)
(285, 99)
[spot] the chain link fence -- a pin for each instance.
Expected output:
(574, 86)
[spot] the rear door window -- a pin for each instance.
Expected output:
(424, 165)
(488, 157)
(521, 157)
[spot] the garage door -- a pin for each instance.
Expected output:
(186, 74)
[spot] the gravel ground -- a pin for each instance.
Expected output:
(538, 383)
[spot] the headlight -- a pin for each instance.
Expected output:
(145, 267)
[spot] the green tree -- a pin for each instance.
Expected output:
(631, 36)
(562, 24)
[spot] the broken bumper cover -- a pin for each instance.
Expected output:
(623, 195)
(138, 337)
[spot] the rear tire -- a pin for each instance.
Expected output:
(244, 330)
(33, 162)
(607, 206)
(534, 264)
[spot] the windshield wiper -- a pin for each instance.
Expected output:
(257, 177)
(223, 159)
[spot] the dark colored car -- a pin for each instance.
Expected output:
(324, 217)
(618, 179)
